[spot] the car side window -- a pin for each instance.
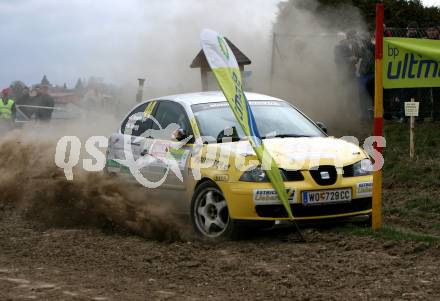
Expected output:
(170, 112)
(140, 125)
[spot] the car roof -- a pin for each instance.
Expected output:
(212, 96)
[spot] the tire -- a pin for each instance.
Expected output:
(209, 213)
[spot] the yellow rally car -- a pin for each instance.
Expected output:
(190, 148)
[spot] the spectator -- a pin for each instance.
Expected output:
(387, 32)
(45, 101)
(24, 113)
(433, 33)
(366, 77)
(388, 94)
(347, 54)
(7, 111)
(412, 31)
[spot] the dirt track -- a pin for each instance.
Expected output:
(56, 244)
(43, 263)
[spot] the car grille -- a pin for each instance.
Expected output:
(348, 171)
(317, 175)
(299, 210)
(292, 175)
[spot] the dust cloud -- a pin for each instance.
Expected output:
(304, 71)
(31, 183)
(166, 40)
(163, 40)
(291, 45)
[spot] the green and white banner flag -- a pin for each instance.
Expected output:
(225, 69)
(411, 63)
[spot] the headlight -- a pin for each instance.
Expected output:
(255, 175)
(362, 168)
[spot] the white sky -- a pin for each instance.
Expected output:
(118, 39)
(121, 39)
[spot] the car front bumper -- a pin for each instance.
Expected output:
(242, 205)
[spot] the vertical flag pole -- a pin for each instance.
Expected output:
(378, 113)
(411, 134)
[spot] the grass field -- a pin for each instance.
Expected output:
(411, 188)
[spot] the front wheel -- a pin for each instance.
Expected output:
(209, 212)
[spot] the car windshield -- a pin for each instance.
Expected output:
(273, 118)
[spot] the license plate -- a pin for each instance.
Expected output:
(326, 196)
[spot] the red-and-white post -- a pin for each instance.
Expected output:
(378, 115)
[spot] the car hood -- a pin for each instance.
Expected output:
(300, 153)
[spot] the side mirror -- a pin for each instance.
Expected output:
(322, 126)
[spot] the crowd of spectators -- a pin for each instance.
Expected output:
(354, 56)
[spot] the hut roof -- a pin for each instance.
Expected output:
(201, 62)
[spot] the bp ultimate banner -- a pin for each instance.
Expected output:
(411, 63)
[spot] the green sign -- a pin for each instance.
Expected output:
(411, 63)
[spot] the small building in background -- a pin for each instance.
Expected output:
(207, 78)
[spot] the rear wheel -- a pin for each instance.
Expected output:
(209, 212)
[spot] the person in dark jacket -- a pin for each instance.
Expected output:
(46, 102)
(24, 113)
(346, 54)
(412, 31)
(433, 33)
(366, 78)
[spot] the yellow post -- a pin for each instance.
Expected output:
(377, 200)
(377, 175)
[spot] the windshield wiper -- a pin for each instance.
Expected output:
(284, 136)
